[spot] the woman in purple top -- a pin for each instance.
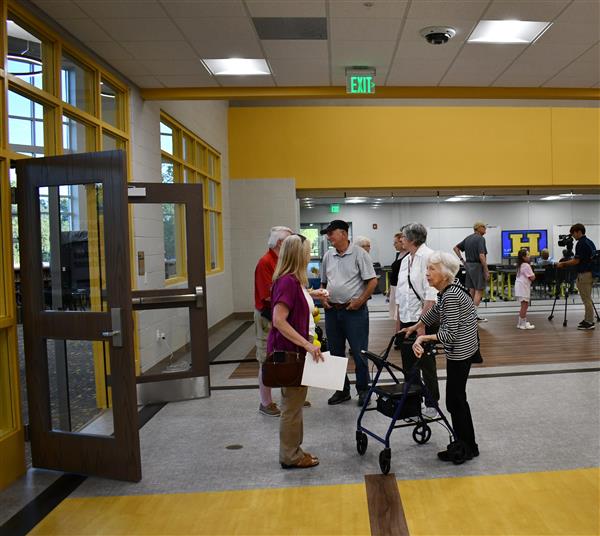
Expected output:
(289, 333)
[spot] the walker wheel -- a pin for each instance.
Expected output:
(565, 324)
(362, 442)
(385, 461)
(421, 433)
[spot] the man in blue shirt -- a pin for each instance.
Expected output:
(584, 250)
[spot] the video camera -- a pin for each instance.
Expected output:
(566, 241)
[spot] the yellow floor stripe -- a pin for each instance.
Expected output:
(557, 502)
(318, 510)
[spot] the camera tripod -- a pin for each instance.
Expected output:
(568, 284)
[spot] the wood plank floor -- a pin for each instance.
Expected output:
(501, 343)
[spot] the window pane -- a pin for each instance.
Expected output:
(188, 149)
(110, 143)
(77, 136)
(77, 84)
(166, 138)
(25, 125)
(111, 100)
(7, 423)
(24, 57)
(174, 230)
(214, 240)
(201, 160)
(211, 164)
(167, 171)
(212, 194)
(188, 176)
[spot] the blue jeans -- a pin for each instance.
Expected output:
(352, 326)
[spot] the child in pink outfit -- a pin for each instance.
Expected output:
(525, 276)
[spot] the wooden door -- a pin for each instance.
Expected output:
(77, 314)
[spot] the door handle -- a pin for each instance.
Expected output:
(115, 332)
(197, 297)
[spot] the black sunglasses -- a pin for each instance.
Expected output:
(302, 237)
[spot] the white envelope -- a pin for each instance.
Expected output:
(328, 374)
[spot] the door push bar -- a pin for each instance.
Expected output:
(115, 333)
(197, 297)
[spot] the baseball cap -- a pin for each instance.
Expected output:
(335, 224)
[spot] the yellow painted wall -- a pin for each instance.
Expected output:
(370, 147)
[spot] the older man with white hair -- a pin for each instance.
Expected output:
(263, 278)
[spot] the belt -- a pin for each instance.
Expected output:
(339, 306)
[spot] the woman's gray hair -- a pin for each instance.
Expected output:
(448, 263)
(362, 241)
(415, 232)
(278, 233)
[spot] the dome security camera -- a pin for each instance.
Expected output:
(438, 35)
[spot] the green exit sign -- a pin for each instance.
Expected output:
(334, 209)
(360, 81)
(360, 84)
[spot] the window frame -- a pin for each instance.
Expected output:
(196, 163)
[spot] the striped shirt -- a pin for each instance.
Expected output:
(456, 314)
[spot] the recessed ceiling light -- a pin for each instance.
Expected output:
(236, 67)
(552, 198)
(356, 200)
(571, 194)
(508, 31)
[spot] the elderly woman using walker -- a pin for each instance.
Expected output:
(457, 317)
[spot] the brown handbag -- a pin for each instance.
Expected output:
(283, 369)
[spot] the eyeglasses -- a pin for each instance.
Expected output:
(302, 237)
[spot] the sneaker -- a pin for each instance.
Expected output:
(271, 410)
(338, 397)
(481, 319)
(429, 412)
(362, 396)
(586, 325)
(526, 325)
(307, 404)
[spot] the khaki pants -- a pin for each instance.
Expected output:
(291, 428)
(585, 281)
(261, 328)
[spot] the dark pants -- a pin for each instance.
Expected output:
(428, 367)
(457, 373)
(342, 325)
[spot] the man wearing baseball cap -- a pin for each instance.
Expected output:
(347, 273)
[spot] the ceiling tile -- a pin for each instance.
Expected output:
(528, 80)
(295, 72)
(582, 12)
(85, 30)
(438, 12)
(583, 72)
(205, 8)
(293, 49)
(173, 67)
(349, 29)
(177, 50)
(246, 81)
(145, 81)
(480, 64)
(130, 67)
(217, 28)
(109, 50)
(227, 49)
(357, 9)
(195, 80)
(415, 72)
(570, 34)
(141, 29)
(424, 52)
(60, 9)
(277, 8)
(538, 10)
(121, 9)
(369, 53)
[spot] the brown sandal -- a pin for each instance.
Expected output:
(304, 463)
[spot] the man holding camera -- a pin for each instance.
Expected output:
(584, 250)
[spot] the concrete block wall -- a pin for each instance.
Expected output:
(256, 206)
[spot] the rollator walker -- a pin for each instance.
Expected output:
(401, 402)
